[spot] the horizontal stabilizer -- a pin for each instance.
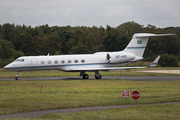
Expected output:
(154, 63)
(141, 35)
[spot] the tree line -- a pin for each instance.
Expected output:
(19, 40)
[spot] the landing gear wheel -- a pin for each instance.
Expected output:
(85, 76)
(17, 78)
(98, 77)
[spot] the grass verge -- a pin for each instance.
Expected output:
(148, 112)
(24, 96)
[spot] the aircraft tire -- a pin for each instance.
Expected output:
(85, 76)
(98, 77)
(17, 78)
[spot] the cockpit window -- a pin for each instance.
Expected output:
(17, 60)
(22, 60)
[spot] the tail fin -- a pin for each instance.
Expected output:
(138, 43)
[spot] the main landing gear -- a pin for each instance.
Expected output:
(18, 76)
(97, 75)
(86, 76)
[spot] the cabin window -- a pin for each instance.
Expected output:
(49, 62)
(82, 60)
(22, 60)
(62, 61)
(55, 61)
(69, 61)
(17, 60)
(42, 62)
(76, 61)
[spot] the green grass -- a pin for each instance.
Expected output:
(151, 112)
(147, 112)
(23, 96)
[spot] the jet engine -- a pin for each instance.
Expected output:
(117, 57)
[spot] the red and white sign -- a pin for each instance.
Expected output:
(135, 95)
(125, 93)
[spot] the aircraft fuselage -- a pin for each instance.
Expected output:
(70, 62)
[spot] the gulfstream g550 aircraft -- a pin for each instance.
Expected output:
(100, 61)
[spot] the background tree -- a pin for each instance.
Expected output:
(80, 48)
(55, 43)
(6, 49)
(41, 40)
(168, 61)
(8, 31)
(18, 54)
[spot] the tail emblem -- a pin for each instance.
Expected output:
(139, 42)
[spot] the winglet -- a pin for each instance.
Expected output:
(154, 63)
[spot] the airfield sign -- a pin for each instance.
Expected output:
(125, 93)
(135, 95)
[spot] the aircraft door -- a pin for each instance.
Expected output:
(33, 62)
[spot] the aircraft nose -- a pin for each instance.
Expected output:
(9, 66)
(6, 67)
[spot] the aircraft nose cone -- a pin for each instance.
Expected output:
(8, 66)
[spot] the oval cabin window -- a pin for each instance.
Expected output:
(76, 61)
(69, 61)
(82, 60)
(55, 61)
(42, 62)
(62, 61)
(49, 62)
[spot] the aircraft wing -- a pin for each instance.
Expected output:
(153, 64)
(101, 69)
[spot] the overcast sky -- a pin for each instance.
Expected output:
(161, 13)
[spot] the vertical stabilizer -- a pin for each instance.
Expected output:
(138, 43)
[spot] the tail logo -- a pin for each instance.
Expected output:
(139, 42)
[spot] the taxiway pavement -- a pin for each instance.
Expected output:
(137, 78)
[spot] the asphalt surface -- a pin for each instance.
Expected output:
(36, 114)
(137, 78)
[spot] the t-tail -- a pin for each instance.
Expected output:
(138, 43)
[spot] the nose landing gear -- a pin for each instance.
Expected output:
(18, 76)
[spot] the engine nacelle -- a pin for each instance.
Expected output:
(118, 57)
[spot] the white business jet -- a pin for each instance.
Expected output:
(100, 61)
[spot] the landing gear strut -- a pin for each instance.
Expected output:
(18, 76)
(97, 75)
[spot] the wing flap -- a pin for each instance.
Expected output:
(102, 69)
